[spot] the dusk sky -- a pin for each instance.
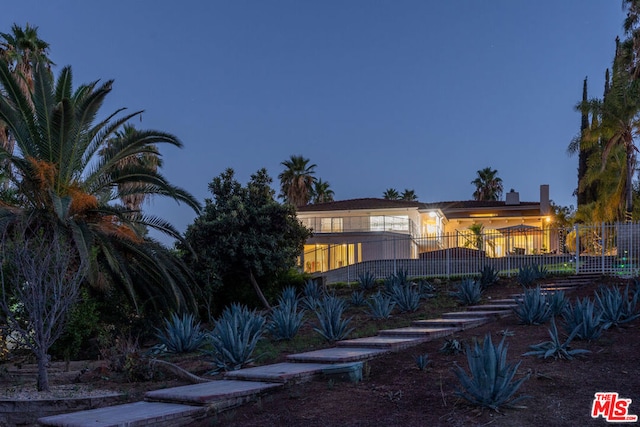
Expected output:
(378, 94)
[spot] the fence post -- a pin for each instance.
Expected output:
(575, 227)
(603, 250)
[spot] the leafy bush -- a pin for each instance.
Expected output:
(422, 361)
(557, 302)
(357, 299)
(406, 297)
(331, 325)
(285, 320)
(555, 348)
(584, 318)
(380, 306)
(532, 307)
(468, 292)
(490, 383)
(367, 281)
(617, 307)
(235, 336)
(181, 334)
(488, 276)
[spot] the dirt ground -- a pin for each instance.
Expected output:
(394, 392)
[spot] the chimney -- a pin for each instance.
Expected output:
(545, 203)
(512, 198)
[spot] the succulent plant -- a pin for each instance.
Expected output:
(367, 281)
(380, 306)
(532, 308)
(583, 317)
(468, 292)
(311, 295)
(406, 297)
(285, 320)
(488, 276)
(555, 347)
(557, 301)
(451, 346)
(331, 325)
(357, 299)
(489, 384)
(181, 334)
(422, 361)
(617, 307)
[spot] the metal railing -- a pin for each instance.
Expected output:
(603, 248)
(347, 224)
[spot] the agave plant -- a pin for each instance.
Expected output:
(490, 384)
(532, 307)
(583, 317)
(468, 292)
(380, 306)
(367, 281)
(555, 347)
(357, 299)
(527, 275)
(557, 302)
(312, 295)
(617, 307)
(451, 346)
(235, 336)
(400, 278)
(488, 276)
(331, 325)
(288, 296)
(406, 297)
(285, 320)
(422, 361)
(181, 334)
(426, 289)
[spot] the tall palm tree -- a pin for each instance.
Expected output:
(296, 181)
(409, 195)
(20, 49)
(391, 194)
(70, 173)
(321, 192)
(488, 185)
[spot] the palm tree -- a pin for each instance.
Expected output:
(391, 194)
(409, 195)
(488, 185)
(70, 173)
(321, 192)
(20, 49)
(296, 180)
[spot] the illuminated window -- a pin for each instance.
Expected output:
(389, 223)
(330, 225)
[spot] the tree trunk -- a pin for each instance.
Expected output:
(43, 376)
(256, 287)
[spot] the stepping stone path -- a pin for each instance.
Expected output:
(180, 406)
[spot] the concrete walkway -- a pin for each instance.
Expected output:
(180, 406)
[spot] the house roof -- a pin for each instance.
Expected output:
(355, 204)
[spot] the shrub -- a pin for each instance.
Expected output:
(584, 318)
(490, 383)
(488, 276)
(331, 325)
(357, 299)
(235, 336)
(422, 361)
(406, 297)
(532, 307)
(181, 334)
(285, 320)
(555, 348)
(617, 307)
(468, 292)
(367, 281)
(380, 306)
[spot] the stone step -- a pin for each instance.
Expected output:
(490, 314)
(503, 300)
(491, 307)
(459, 323)
(224, 392)
(279, 372)
(392, 343)
(427, 333)
(130, 415)
(337, 355)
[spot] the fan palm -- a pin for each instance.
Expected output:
(321, 192)
(391, 194)
(409, 195)
(296, 181)
(70, 171)
(488, 185)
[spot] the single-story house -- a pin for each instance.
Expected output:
(347, 232)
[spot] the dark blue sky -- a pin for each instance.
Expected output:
(378, 94)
